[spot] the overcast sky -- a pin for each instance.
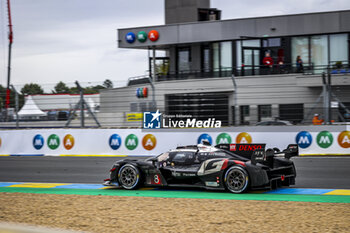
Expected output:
(68, 40)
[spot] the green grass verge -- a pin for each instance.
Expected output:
(183, 194)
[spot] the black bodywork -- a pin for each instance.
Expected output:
(207, 167)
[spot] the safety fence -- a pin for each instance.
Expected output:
(288, 99)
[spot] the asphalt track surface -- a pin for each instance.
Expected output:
(312, 172)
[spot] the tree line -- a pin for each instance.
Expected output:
(59, 88)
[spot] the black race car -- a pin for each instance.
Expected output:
(232, 167)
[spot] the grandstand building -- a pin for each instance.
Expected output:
(240, 71)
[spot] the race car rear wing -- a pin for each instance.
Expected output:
(257, 153)
(291, 151)
(266, 157)
(244, 150)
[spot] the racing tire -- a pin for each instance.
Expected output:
(129, 176)
(236, 179)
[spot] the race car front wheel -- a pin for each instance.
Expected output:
(236, 179)
(129, 176)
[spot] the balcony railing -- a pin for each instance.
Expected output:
(248, 70)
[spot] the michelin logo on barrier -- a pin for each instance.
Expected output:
(53, 141)
(38, 141)
(157, 120)
(115, 141)
(303, 139)
(204, 137)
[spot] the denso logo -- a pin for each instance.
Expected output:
(249, 147)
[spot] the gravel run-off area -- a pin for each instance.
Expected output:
(149, 214)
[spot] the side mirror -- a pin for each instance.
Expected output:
(154, 160)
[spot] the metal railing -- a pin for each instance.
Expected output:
(249, 70)
(121, 108)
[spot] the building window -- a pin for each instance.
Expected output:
(238, 54)
(339, 48)
(184, 59)
(300, 47)
(245, 110)
(244, 114)
(272, 42)
(291, 112)
(216, 57)
(251, 43)
(319, 52)
(265, 112)
(206, 58)
(200, 105)
(226, 56)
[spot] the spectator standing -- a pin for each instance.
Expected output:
(281, 65)
(299, 64)
(268, 62)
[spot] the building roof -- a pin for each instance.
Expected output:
(233, 29)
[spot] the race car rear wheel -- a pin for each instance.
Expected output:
(129, 176)
(236, 179)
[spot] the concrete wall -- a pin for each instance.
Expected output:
(182, 11)
(251, 90)
(98, 141)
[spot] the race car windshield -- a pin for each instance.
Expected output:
(163, 157)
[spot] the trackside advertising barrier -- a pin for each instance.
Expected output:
(312, 140)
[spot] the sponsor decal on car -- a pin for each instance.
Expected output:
(211, 166)
(248, 147)
(156, 179)
(232, 147)
(212, 183)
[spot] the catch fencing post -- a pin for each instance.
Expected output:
(235, 99)
(82, 118)
(154, 103)
(16, 105)
(81, 104)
